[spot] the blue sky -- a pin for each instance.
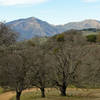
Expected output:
(52, 11)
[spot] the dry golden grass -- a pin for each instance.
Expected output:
(53, 94)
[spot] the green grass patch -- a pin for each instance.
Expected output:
(1, 90)
(85, 33)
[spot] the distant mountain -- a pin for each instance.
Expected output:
(32, 27)
(82, 25)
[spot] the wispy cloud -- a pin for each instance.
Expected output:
(90, 1)
(20, 2)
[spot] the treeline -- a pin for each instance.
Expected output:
(91, 29)
(62, 60)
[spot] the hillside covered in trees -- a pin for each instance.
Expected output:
(69, 58)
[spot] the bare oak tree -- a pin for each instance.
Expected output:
(68, 49)
(40, 71)
(13, 71)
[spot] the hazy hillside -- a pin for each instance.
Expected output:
(31, 27)
(82, 25)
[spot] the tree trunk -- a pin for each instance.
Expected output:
(18, 94)
(42, 92)
(63, 90)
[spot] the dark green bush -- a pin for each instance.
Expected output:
(60, 37)
(91, 38)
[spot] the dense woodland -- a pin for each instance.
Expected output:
(65, 59)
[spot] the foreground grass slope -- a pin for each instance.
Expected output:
(2, 90)
(53, 94)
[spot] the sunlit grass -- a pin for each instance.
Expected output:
(53, 94)
(2, 90)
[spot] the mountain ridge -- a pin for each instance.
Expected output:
(31, 27)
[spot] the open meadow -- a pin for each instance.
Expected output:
(53, 94)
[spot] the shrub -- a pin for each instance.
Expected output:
(60, 37)
(91, 38)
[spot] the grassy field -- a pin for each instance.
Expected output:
(85, 33)
(53, 94)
